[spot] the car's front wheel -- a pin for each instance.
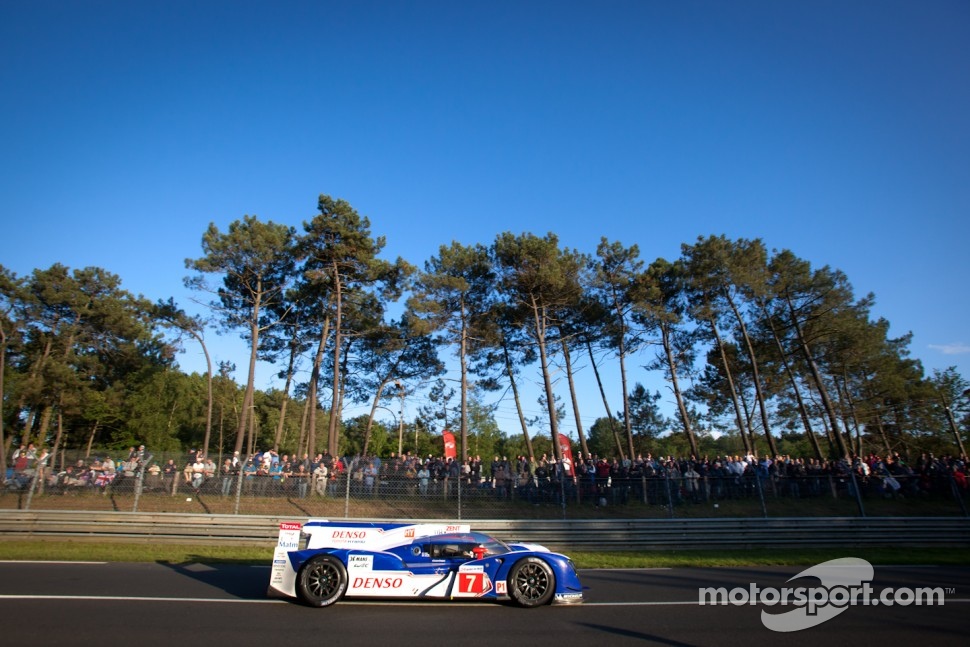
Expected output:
(531, 582)
(321, 581)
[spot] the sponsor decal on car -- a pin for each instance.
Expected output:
(281, 576)
(377, 583)
(289, 537)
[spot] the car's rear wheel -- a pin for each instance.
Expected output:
(321, 581)
(531, 582)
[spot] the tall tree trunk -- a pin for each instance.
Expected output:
(898, 417)
(463, 363)
(333, 445)
(94, 432)
(748, 446)
(518, 401)
(573, 395)
(35, 373)
(222, 445)
(876, 419)
(45, 420)
(802, 409)
(606, 404)
(209, 404)
(850, 415)
(248, 399)
(170, 423)
(540, 327)
(627, 422)
(373, 413)
(817, 378)
(370, 422)
(627, 418)
(755, 374)
(681, 407)
(58, 437)
(345, 359)
(746, 411)
(953, 426)
(303, 427)
(314, 385)
(882, 433)
(843, 416)
(3, 440)
(290, 367)
(832, 441)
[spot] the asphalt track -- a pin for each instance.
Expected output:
(195, 605)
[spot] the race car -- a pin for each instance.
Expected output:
(418, 561)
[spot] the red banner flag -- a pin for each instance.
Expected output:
(567, 454)
(451, 451)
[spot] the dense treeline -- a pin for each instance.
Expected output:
(756, 345)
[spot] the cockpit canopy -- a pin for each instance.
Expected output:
(468, 545)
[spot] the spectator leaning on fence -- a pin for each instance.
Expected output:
(320, 474)
(424, 477)
(301, 480)
(227, 473)
(197, 472)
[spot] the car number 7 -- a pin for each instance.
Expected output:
(471, 582)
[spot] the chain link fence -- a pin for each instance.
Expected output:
(374, 489)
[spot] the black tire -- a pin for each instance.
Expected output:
(531, 582)
(321, 581)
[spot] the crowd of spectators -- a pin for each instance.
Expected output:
(28, 463)
(600, 480)
(670, 480)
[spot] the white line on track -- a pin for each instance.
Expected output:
(409, 603)
(124, 598)
(47, 561)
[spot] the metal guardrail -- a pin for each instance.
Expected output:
(617, 534)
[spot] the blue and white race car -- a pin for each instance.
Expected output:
(417, 561)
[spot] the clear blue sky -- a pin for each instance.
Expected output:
(836, 128)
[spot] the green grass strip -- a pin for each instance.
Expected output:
(182, 554)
